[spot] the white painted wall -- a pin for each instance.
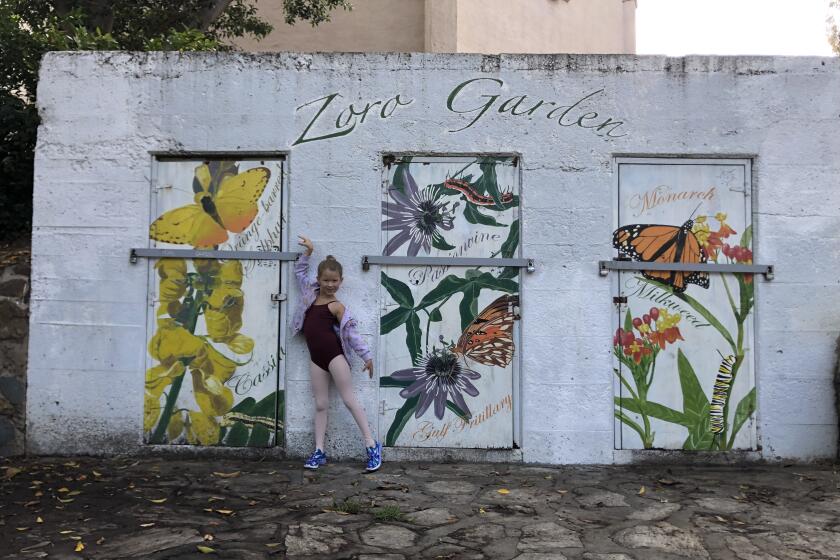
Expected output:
(104, 112)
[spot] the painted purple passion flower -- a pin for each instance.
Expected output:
(416, 215)
(438, 378)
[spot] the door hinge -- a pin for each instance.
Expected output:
(381, 408)
(619, 300)
(278, 297)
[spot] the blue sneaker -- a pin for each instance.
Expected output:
(374, 457)
(315, 460)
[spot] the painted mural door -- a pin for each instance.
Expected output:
(683, 346)
(213, 360)
(448, 334)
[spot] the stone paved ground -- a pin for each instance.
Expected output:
(204, 508)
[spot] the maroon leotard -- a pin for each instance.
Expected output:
(321, 339)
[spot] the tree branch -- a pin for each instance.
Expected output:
(212, 13)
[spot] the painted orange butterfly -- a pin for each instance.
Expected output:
(663, 244)
(488, 339)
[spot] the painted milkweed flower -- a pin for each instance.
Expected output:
(416, 215)
(439, 377)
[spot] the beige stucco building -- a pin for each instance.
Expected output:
(460, 26)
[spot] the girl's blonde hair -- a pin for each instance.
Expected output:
(329, 263)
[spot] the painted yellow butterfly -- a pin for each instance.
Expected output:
(225, 201)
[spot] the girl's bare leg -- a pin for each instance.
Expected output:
(340, 370)
(320, 380)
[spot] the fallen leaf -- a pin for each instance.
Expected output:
(214, 498)
(224, 511)
(252, 503)
(74, 493)
(35, 546)
(642, 491)
(75, 537)
(12, 471)
(272, 544)
(548, 477)
(481, 510)
(158, 501)
(100, 540)
(71, 464)
(503, 491)
(96, 474)
(144, 525)
(67, 501)
(721, 519)
(205, 549)
(63, 489)
(32, 503)
(38, 494)
(227, 475)
(208, 537)
(22, 528)
(562, 491)
(208, 509)
(65, 532)
(39, 520)
(667, 481)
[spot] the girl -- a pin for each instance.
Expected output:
(330, 330)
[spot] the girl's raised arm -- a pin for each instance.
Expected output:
(302, 264)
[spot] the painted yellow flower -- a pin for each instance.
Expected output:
(700, 220)
(225, 305)
(202, 429)
(210, 370)
(173, 284)
(173, 342)
(721, 217)
(157, 379)
(701, 231)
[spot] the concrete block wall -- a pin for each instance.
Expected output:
(104, 113)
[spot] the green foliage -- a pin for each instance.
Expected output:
(388, 513)
(347, 506)
(315, 11)
(18, 124)
(31, 28)
(832, 28)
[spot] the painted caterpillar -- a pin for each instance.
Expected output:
(470, 193)
(724, 378)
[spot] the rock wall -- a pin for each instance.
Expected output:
(14, 337)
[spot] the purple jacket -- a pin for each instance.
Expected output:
(346, 331)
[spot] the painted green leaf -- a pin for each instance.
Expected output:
(400, 420)
(399, 182)
(629, 422)
(743, 411)
(472, 273)
(400, 292)
(449, 285)
(457, 410)
(628, 321)
(469, 304)
(238, 435)
(266, 406)
(654, 410)
(260, 436)
(697, 307)
(511, 244)
(388, 381)
(489, 182)
(393, 319)
(414, 337)
(746, 238)
(435, 316)
(246, 406)
(439, 242)
(508, 272)
(490, 282)
(473, 216)
(695, 406)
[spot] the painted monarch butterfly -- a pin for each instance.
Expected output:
(473, 196)
(488, 340)
(663, 244)
(221, 205)
(722, 382)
